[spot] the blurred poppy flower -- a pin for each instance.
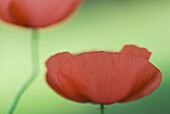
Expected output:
(103, 77)
(36, 13)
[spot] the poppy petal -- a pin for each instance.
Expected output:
(145, 89)
(140, 52)
(53, 64)
(42, 13)
(102, 77)
(4, 12)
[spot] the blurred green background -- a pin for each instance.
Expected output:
(99, 25)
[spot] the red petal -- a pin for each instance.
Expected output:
(53, 64)
(146, 89)
(42, 13)
(4, 10)
(140, 52)
(103, 78)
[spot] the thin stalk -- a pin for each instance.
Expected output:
(34, 74)
(102, 108)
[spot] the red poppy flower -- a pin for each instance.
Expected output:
(103, 77)
(36, 13)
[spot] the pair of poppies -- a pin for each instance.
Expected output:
(96, 77)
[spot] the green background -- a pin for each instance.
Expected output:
(98, 25)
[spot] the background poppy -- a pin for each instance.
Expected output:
(36, 13)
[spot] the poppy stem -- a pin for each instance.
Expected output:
(34, 74)
(102, 108)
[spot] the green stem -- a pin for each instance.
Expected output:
(102, 108)
(34, 74)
